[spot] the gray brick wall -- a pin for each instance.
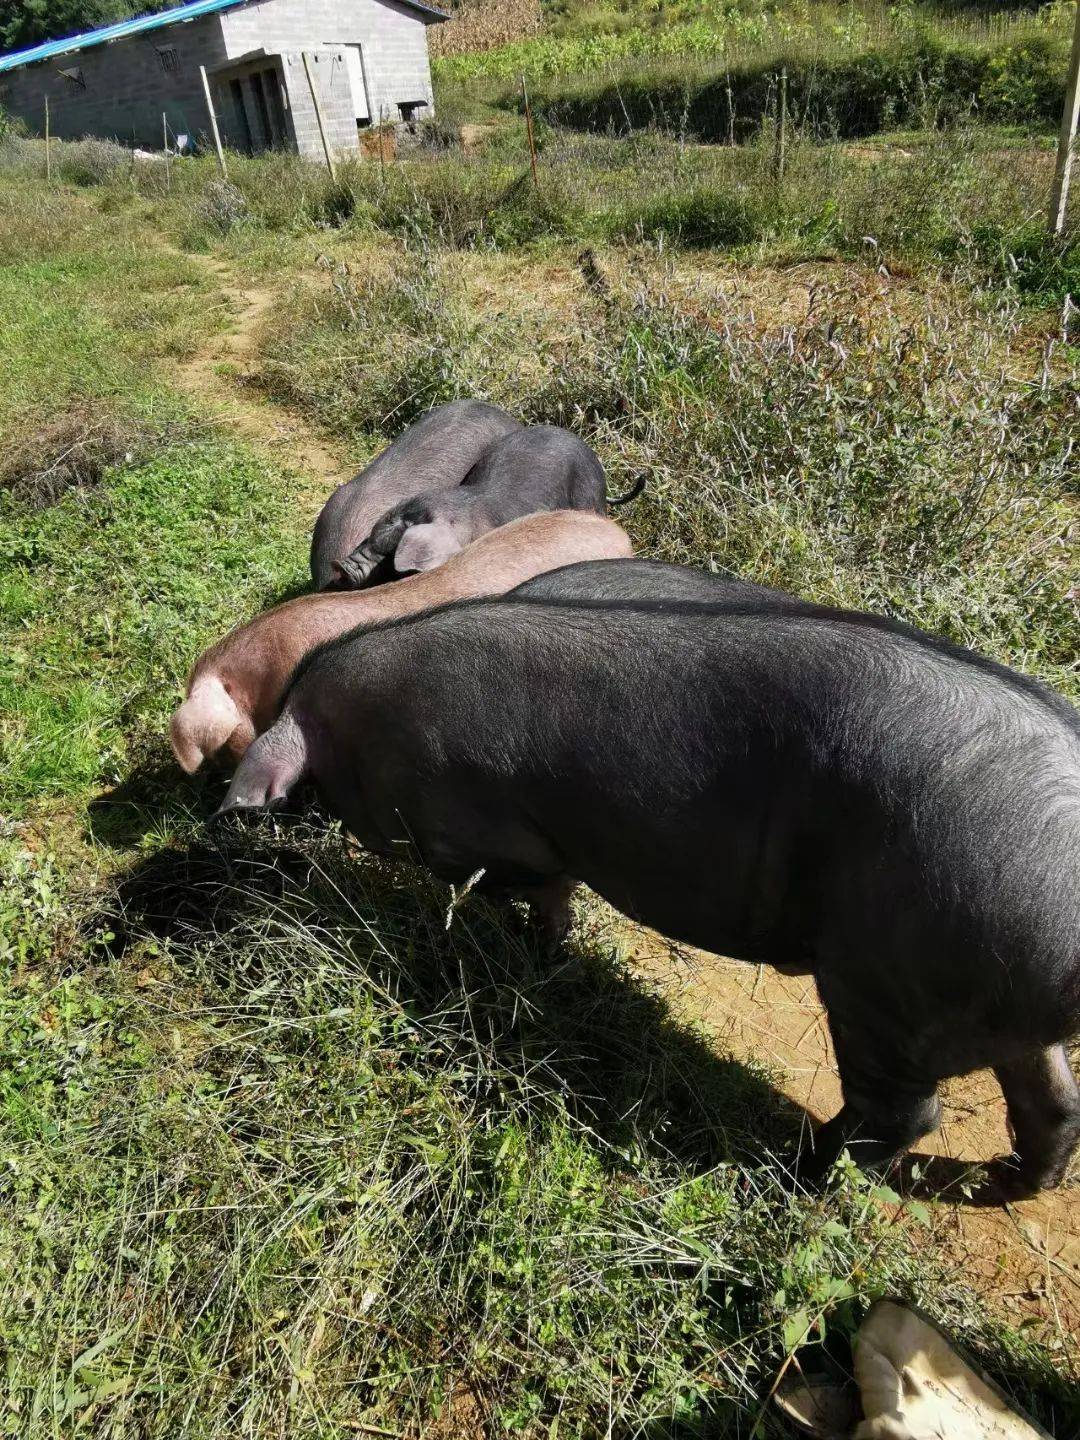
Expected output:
(392, 38)
(125, 89)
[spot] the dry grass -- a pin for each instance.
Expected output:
(69, 451)
(479, 25)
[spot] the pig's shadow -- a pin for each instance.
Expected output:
(613, 1047)
(155, 797)
(583, 1031)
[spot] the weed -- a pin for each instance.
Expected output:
(71, 450)
(222, 207)
(843, 458)
(378, 351)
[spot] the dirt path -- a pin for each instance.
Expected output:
(1024, 1258)
(218, 377)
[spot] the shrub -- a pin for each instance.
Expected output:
(69, 451)
(222, 206)
(91, 161)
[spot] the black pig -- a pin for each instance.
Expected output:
(435, 453)
(539, 468)
(777, 782)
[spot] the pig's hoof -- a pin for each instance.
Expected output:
(1007, 1181)
(552, 936)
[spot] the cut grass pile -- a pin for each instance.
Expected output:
(286, 1144)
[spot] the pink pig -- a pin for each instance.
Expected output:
(235, 687)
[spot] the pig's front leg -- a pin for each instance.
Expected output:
(549, 905)
(888, 1104)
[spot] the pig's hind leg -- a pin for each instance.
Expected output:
(1044, 1119)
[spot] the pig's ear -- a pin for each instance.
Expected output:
(273, 765)
(425, 547)
(203, 724)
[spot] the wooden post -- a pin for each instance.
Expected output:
(730, 112)
(1070, 115)
(213, 123)
(529, 129)
(48, 153)
(781, 126)
(319, 117)
(382, 144)
(165, 137)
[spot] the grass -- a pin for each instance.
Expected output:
(285, 1148)
(970, 200)
(281, 1150)
(1013, 54)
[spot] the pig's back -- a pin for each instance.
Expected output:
(538, 467)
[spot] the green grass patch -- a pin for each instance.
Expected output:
(924, 81)
(109, 596)
(281, 1147)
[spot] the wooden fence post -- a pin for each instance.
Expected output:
(1070, 115)
(165, 137)
(48, 152)
(532, 138)
(781, 126)
(730, 111)
(213, 123)
(319, 117)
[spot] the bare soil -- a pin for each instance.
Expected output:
(1025, 1258)
(219, 377)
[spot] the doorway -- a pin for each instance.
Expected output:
(354, 68)
(236, 90)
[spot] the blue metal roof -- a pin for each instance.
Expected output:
(120, 31)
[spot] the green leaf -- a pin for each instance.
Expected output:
(795, 1330)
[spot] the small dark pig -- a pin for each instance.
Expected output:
(539, 468)
(235, 687)
(781, 783)
(436, 453)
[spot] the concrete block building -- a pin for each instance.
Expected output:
(367, 61)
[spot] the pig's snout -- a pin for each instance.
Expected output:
(269, 770)
(203, 724)
(254, 799)
(354, 571)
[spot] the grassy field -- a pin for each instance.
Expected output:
(852, 69)
(289, 1147)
